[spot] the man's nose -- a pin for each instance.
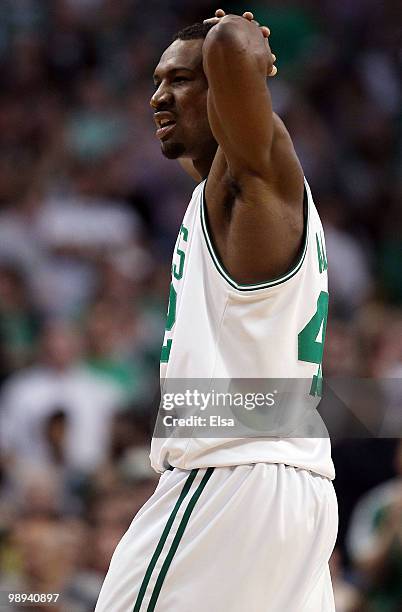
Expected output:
(161, 98)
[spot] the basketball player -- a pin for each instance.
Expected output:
(235, 525)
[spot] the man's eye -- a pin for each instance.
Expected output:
(180, 79)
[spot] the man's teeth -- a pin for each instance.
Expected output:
(166, 122)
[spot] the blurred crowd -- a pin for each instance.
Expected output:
(89, 211)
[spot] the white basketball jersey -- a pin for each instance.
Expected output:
(219, 329)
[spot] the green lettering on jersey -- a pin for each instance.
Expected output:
(177, 272)
(322, 256)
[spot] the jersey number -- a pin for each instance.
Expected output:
(311, 341)
(170, 319)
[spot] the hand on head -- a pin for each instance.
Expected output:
(220, 13)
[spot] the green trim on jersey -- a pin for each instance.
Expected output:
(223, 272)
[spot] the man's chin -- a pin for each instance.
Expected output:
(173, 150)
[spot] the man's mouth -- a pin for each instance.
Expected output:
(165, 123)
(166, 130)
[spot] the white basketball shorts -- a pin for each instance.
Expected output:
(249, 538)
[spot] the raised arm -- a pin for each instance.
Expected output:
(263, 238)
(237, 61)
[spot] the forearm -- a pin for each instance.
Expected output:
(236, 60)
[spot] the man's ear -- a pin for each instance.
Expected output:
(188, 166)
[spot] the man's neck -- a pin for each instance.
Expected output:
(203, 166)
(199, 168)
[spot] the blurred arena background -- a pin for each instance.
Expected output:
(89, 211)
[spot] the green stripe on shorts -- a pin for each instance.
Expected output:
(177, 538)
(161, 543)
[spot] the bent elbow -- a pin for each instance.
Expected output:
(229, 33)
(229, 41)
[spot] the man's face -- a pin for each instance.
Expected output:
(180, 102)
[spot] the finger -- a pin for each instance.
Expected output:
(212, 20)
(265, 31)
(273, 72)
(220, 13)
(248, 15)
(274, 57)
